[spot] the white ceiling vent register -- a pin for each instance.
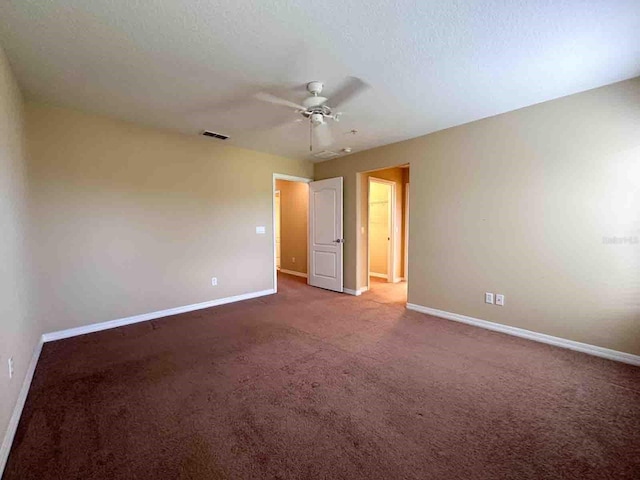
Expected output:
(326, 154)
(219, 136)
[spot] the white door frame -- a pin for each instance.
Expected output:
(406, 231)
(276, 194)
(290, 178)
(391, 274)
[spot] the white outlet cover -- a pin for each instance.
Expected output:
(214, 281)
(10, 362)
(488, 298)
(261, 230)
(500, 299)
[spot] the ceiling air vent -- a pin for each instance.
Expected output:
(219, 136)
(325, 154)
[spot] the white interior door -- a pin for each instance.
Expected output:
(325, 234)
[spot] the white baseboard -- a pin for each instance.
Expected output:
(535, 336)
(358, 292)
(378, 275)
(17, 411)
(120, 322)
(292, 272)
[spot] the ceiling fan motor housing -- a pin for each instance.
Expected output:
(313, 102)
(315, 88)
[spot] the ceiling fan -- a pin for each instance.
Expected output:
(316, 109)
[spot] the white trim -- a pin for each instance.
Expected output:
(535, 336)
(277, 194)
(378, 275)
(292, 272)
(292, 178)
(120, 322)
(406, 229)
(17, 411)
(289, 178)
(357, 293)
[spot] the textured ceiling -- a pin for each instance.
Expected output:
(193, 64)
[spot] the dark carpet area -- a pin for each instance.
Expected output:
(310, 384)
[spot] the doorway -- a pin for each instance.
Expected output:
(381, 220)
(384, 201)
(290, 226)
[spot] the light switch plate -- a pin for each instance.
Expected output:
(488, 298)
(261, 230)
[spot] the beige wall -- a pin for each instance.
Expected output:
(519, 204)
(131, 220)
(19, 333)
(294, 202)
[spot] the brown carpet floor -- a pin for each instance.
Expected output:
(309, 384)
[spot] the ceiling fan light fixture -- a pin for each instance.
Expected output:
(315, 108)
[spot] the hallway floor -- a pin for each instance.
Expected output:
(385, 292)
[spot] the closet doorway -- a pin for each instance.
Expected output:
(381, 227)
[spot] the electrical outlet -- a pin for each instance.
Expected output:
(488, 298)
(293, 259)
(500, 299)
(10, 362)
(214, 281)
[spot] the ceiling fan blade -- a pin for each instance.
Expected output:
(323, 135)
(350, 88)
(267, 97)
